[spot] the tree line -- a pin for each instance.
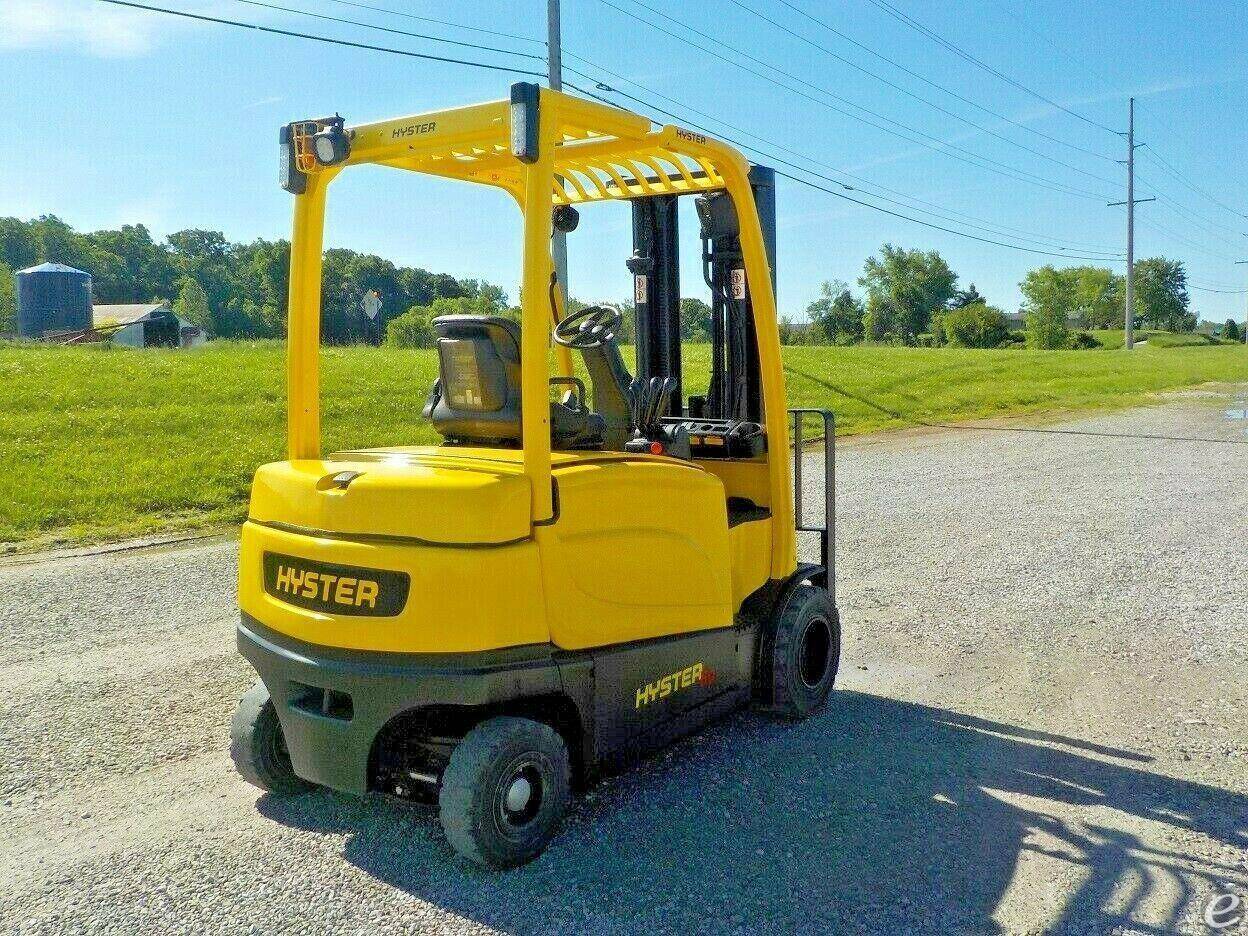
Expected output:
(912, 297)
(231, 290)
(237, 290)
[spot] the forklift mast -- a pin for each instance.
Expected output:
(735, 388)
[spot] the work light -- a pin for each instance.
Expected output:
(331, 145)
(291, 179)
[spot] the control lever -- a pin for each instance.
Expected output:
(650, 402)
(634, 402)
(652, 405)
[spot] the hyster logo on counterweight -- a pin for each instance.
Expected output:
(696, 675)
(336, 589)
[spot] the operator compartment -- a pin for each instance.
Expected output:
(388, 549)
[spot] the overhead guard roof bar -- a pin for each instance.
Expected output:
(604, 154)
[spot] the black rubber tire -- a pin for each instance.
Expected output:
(482, 768)
(258, 747)
(806, 652)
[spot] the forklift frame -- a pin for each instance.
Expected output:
(546, 149)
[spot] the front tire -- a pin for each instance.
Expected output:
(258, 747)
(505, 791)
(806, 652)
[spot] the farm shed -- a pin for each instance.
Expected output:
(149, 325)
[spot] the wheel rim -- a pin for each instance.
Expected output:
(519, 796)
(278, 752)
(814, 654)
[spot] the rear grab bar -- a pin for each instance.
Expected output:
(827, 532)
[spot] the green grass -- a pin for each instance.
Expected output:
(99, 443)
(1115, 338)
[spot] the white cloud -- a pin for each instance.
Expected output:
(94, 28)
(97, 28)
(263, 102)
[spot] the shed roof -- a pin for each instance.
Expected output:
(126, 314)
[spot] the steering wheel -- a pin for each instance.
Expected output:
(588, 328)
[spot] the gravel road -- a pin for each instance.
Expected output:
(1040, 726)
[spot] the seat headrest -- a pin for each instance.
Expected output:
(503, 333)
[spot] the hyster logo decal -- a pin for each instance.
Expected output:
(333, 588)
(696, 675)
(340, 589)
(411, 130)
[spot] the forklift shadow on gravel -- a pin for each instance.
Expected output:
(876, 815)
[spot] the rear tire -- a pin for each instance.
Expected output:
(806, 652)
(258, 747)
(505, 791)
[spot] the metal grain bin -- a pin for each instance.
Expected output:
(52, 297)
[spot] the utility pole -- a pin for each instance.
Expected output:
(1131, 202)
(1237, 263)
(554, 62)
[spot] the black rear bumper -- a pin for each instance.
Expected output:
(333, 702)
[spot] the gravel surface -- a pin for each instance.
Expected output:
(1040, 726)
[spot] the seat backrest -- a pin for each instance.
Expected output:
(478, 395)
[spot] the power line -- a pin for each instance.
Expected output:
(941, 211)
(325, 39)
(1152, 153)
(387, 29)
(1210, 289)
(937, 145)
(963, 54)
(610, 90)
(1185, 240)
(601, 86)
(1205, 224)
(802, 38)
(438, 22)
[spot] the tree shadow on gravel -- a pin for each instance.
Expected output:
(875, 816)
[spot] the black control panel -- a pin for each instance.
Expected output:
(718, 438)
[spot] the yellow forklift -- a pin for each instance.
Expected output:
(573, 578)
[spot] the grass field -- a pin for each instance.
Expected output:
(1116, 338)
(101, 443)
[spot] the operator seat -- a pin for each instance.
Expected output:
(476, 398)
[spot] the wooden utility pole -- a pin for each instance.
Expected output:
(1237, 263)
(554, 63)
(1131, 202)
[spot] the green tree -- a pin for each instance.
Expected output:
(904, 289)
(1230, 330)
(18, 246)
(211, 261)
(837, 315)
(147, 270)
(264, 275)
(8, 301)
(192, 303)
(977, 325)
(695, 320)
(790, 332)
(1161, 298)
(1049, 298)
(245, 284)
(1098, 296)
(965, 297)
(414, 328)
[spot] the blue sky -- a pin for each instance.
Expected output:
(122, 116)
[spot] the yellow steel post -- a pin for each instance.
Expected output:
(303, 329)
(535, 315)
